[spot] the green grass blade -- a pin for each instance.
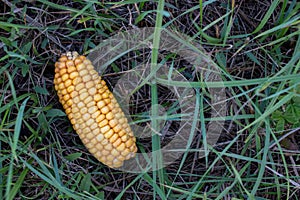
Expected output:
(14, 147)
(267, 16)
(156, 149)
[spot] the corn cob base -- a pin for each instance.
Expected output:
(93, 110)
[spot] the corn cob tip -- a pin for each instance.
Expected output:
(71, 55)
(93, 110)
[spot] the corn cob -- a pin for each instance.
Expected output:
(93, 110)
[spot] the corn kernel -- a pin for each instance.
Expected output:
(97, 98)
(93, 125)
(113, 138)
(61, 86)
(110, 157)
(105, 153)
(86, 116)
(99, 137)
(100, 118)
(86, 78)
(88, 100)
(109, 116)
(83, 96)
(117, 163)
(117, 142)
(108, 134)
(66, 97)
(90, 136)
(69, 102)
(124, 138)
(80, 105)
(70, 88)
(115, 153)
(63, 71)
(65, 77)
(105, 95)
(76, 100)
(117, 128)
(101, 104)
(99, 146)
(69, 63)
(71, 69)
(83, 110)
(77, 80)
(105, 129)
(121, 147)
(80, 67)
(79, 86)
(103, 123)
(74, 94)
(90, 84)
(104, 142)
(108, 147)
(92, 91)
(90, 104)
(95, 115)
(93, 150)
(83, 72)
(113, 123)
(89, 122)
(93, 109)
(129, 143)
(77, 61)
(105, 110)
(74, 75)
(122, 133)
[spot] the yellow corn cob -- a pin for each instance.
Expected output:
(93, 110)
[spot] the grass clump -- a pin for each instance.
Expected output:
(255, 46)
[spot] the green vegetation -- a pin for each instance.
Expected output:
(255, 45)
